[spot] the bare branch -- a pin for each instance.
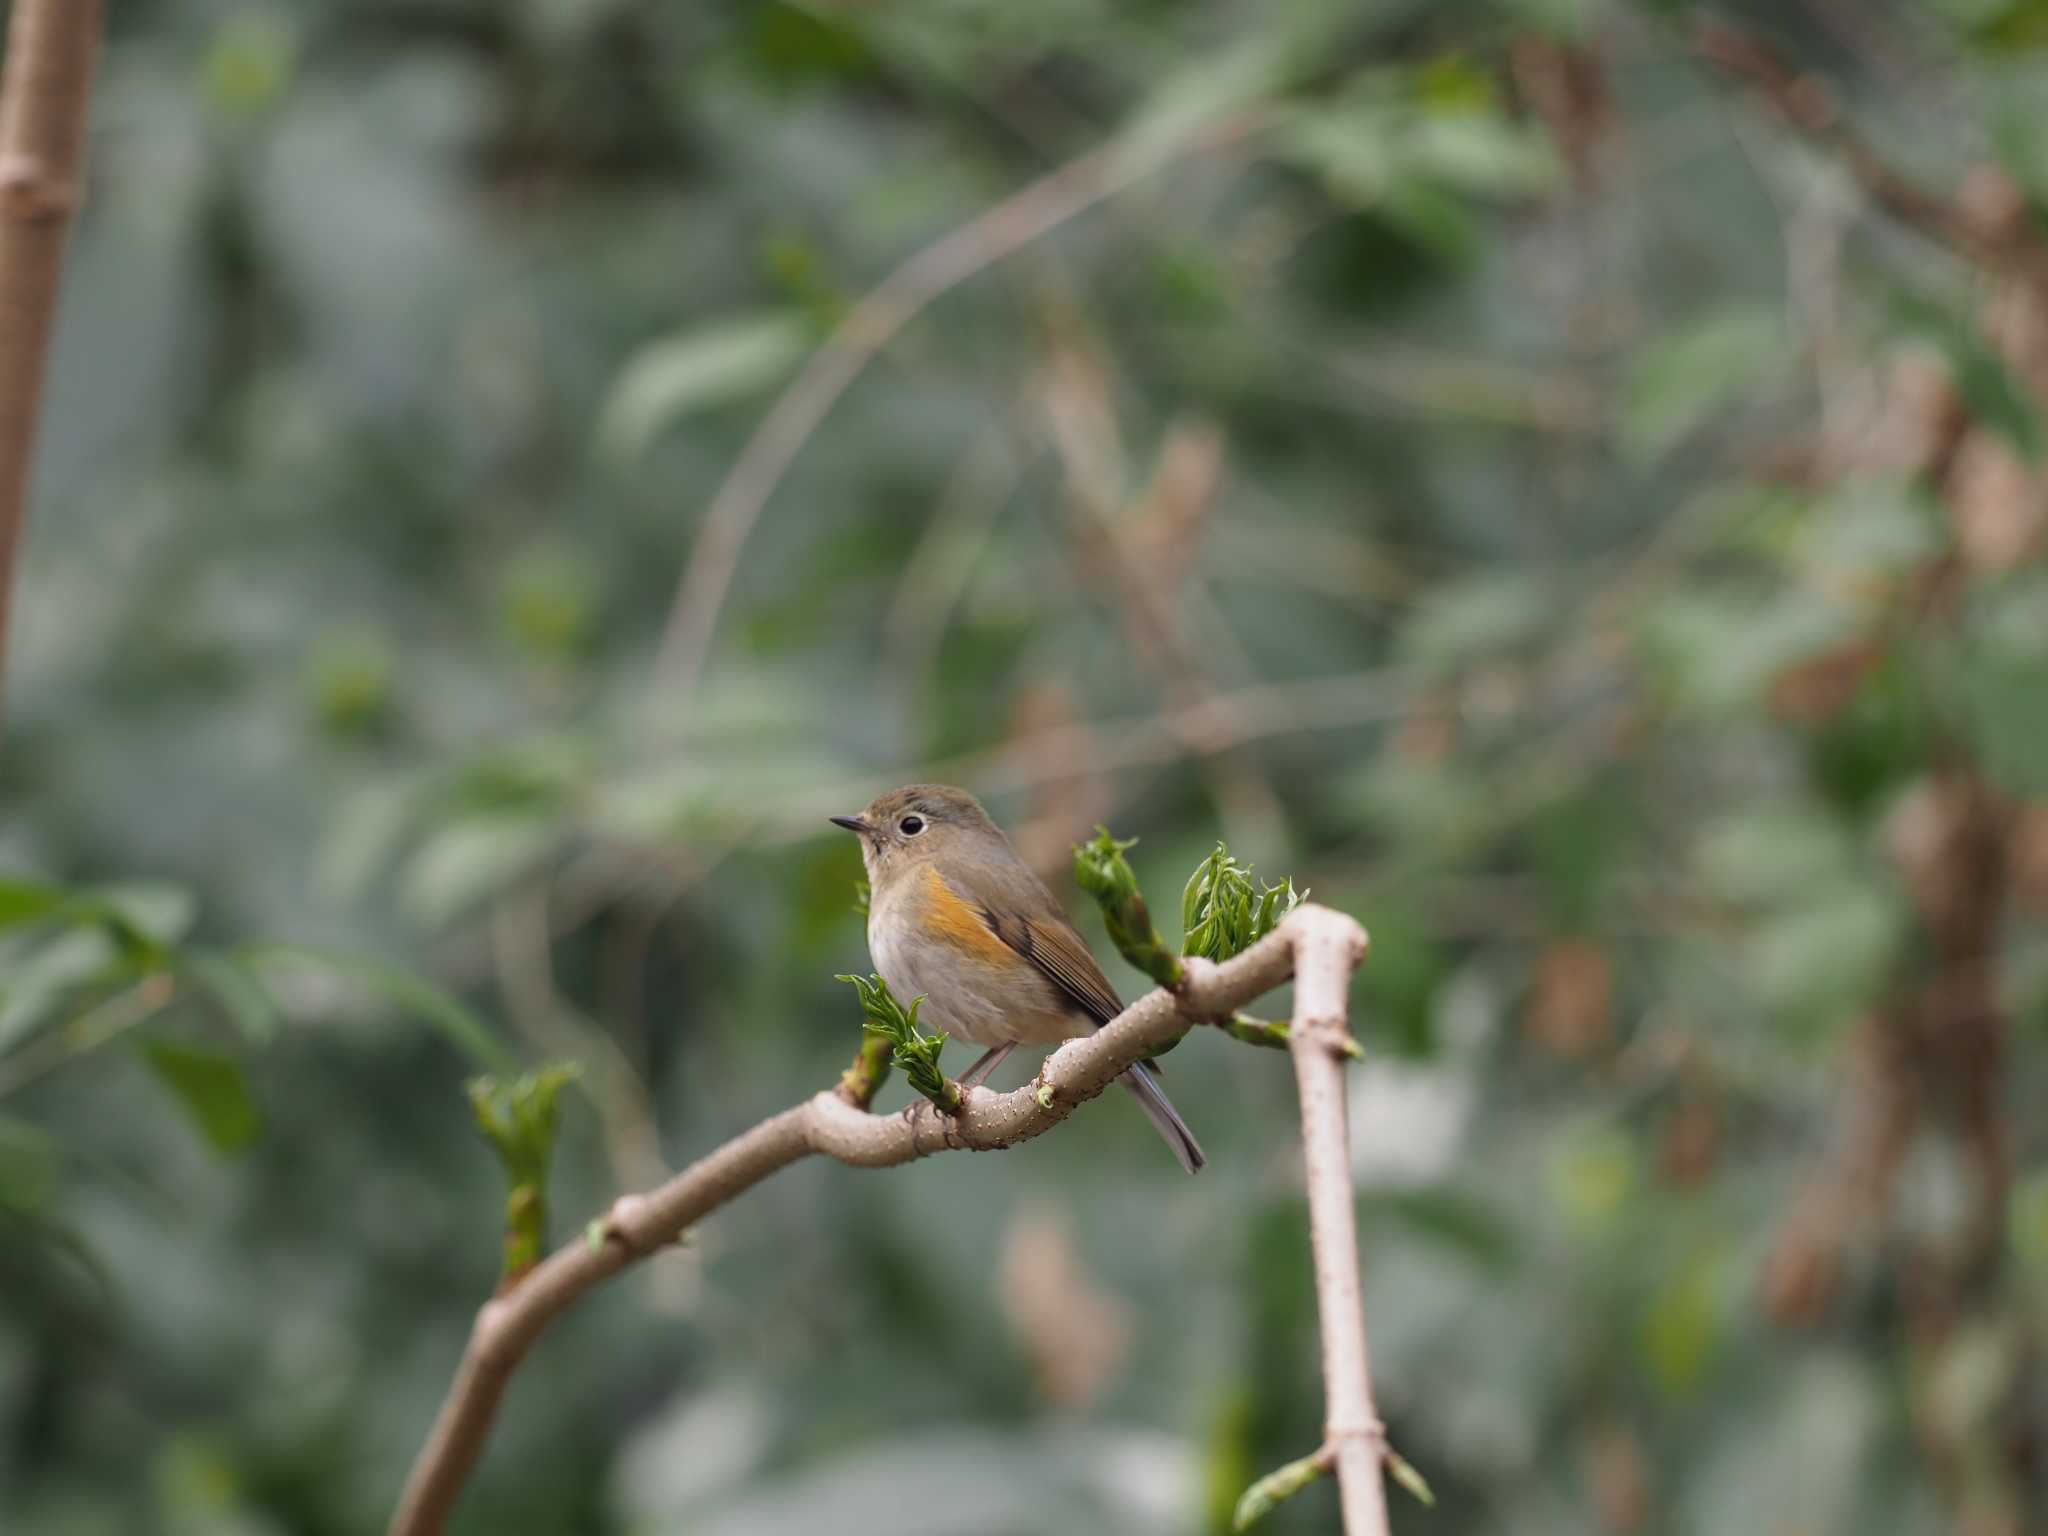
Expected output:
(1804, 101)
(1318, 946)
(1319, 1040)
(51, 47)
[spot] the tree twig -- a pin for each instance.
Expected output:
(870, 326)
(1315, 945)
(51, 48)
(1318, 1039)
(1804, 101)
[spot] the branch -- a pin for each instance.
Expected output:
(870, 326)
(1316, 945)
(51, 46)
(1319, 1040)
(1804, 101)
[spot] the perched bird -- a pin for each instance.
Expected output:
(956, 917)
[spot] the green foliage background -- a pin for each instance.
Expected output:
(1475, 490)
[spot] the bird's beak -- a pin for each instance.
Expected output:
(851, 823)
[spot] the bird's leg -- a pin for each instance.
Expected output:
(990, 1060)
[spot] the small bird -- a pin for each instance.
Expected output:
(956, 917)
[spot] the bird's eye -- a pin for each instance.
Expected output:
(910, 826)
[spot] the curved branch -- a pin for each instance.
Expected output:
(1316, 944)
(870, 326)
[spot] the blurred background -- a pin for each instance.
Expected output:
(1485, 460)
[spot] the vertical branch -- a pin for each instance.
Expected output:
(51, 45)
(1319, 1041)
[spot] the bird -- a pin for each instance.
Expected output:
(956, 917)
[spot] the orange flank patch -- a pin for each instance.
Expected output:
(954, 921)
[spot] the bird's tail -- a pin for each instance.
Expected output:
(1143, 1081)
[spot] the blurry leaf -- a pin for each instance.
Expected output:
(23, 901)
(1720, 650)
(1574, 844)
(1434, 808)
(2004, 26)
(1474, 617)
(1451, 82)
(28, 1166)
(793, 43)
(550, 601)
(1483, 154)
(349, 676)
(462, 863)
(1216, 83)
(2028, 1225)
(211, 1087)
(1816, 962)
(1389, 139)
(1880, 741)
(1459, 1223)
(366, 836)
(410, 993)
(716, 364)
(249, 65)
(1989, 390)
(1679, 1328)
(52, 973)
(1772, 853)
(1399, 983)
(2004, 662)
(1592, 1174)
(1864, 526)
(539, 774)
(241, 997)
(1683, 378)
(162, 911)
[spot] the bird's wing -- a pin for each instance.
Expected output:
(1018, 909)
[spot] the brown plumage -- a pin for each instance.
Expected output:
(957, 918)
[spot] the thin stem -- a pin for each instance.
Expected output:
(870, 326)
(1317, 1040)
(44, 96)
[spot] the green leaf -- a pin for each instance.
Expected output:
(693, 370)
(470, 859)
(242, 998)
(2004, 684)
(1225, 909)
(1471, 618)
(24, 901)
(1773, 853)
(1277, 1486)
(1101, 870)
(409, 993)
(916, 1052)
(519, 1117)
(1680, 1328)
(53, 974)
(211, 1087)
(28, 1166)
(1989, 390)
(1682, 379)
(1819, 961)
(1720, 650)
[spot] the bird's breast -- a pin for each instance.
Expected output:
(927, 941)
